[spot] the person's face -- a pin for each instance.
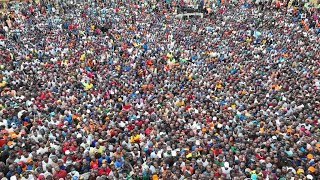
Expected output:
(55, 159)
(11, 168)
(26, 175)
(69, 177)
(60, 163)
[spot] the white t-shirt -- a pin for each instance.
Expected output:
(226, 171)
(42, 150)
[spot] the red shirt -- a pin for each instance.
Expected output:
(259, 157)
(216, 174)
(61, 174)
(92, 163)
(148, 131)
(127, 107)
(2, 142)
(104, 171)
(64, 149)
(130, 127)
(217, 151)
(139, 123)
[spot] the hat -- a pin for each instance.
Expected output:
(312, 169)
(79, 135)
(226, 165)
(67, 152)
(29, 160)
(300, 171)
(13, 125)
(155, 177)
(10, 143)
(13, 135)
(309, 177)
(310, 156)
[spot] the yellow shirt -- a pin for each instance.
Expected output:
(88, 86)
(278, 87)
(134, 138)
(100, 150)
(82, 57)
(3, 84)
(180, 103)
(155, 177)
(65, 62)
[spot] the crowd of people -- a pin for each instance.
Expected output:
(126, 90)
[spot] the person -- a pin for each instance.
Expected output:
(59, 173)
(101, 89)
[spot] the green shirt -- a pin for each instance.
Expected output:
(219, 163)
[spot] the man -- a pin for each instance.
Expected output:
(226, 170)
(59, 173)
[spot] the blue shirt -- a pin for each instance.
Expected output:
(68, 118)
(9, 174)
(29, 167)
(118, 163)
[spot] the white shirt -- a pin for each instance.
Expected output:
(42, 150)
(226, 171)
(152, 169)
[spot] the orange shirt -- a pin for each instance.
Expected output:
(190, 169)
(93, 163)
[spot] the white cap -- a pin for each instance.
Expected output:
(309, 176)
(122, 124)
(13, 125)
(226, 165)
(79, 135)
